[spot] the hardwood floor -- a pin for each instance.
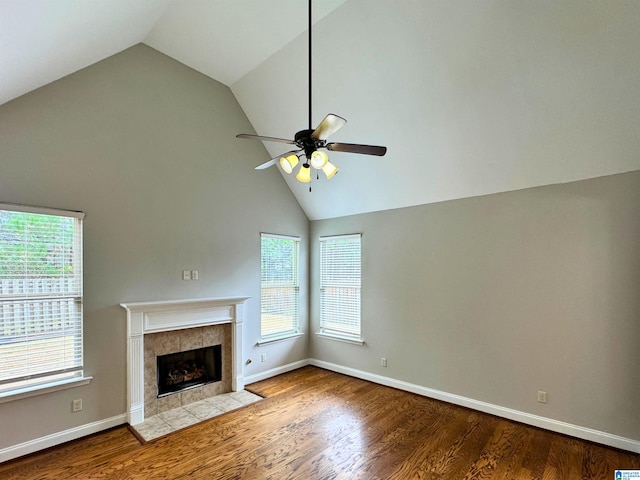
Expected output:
(316, 424)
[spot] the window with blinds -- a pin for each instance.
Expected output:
(40, 296)
(340, 285)
(280, 285)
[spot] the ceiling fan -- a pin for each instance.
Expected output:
(310, 143)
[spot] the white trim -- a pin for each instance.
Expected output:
(275, 235)
(278, 338)
(584, 433)
(41, 389)
(257, 377)
(54, 439)
(341, 338)
(182, 304)
(334, 237)
(168, 315)
(168, 320)
(577, 431)
(41, 210)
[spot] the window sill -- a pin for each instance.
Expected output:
(341, 338)
(278, 338)
(34, 390)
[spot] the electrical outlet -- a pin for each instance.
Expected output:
(186, 275)
(76, 405)
(383, 362)
(195, 275)
(263, 357)
(542, 396)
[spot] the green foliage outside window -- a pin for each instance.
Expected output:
(35, 245)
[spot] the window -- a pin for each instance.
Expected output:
(340, 286)
(40, 297)
(280, 286)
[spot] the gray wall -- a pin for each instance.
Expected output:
(146, 148)
(491, 298)
(494, 298)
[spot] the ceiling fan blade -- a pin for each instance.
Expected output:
(328, 126)
(266, 164)
(357, 148)
(265, 139)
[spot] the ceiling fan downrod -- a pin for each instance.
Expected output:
(313, 142)
(310, 8)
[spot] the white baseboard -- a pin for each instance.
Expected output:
(577, 431)
(54, 439)
(58, 438)
(516, 415)
(276, 371)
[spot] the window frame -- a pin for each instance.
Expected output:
(294, 331)
(333, 331)
(68, 373)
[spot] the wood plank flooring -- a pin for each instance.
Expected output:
(316, 424)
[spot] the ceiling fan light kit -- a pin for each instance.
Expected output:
(289, 162)
(311, 142)
(319, 159)
(329, 170)
(304, 174)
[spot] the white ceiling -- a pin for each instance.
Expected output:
(470, 96)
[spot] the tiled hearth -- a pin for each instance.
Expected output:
(175, 419)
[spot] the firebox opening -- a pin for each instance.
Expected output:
(193, 368)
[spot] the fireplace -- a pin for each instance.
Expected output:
(167, 327)
(190, 369)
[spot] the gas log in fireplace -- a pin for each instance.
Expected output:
(183, 370)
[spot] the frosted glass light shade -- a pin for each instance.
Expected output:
(329, 169)
(289, 162)
(319, 159)
(304, 174)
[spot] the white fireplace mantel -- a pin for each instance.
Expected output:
(164, 316)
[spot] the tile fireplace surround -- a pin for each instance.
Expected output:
(147, 318)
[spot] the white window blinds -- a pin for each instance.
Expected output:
(340, 280)
(280, 287)
(40, 296)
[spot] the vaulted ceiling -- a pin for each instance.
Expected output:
(471, 97)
